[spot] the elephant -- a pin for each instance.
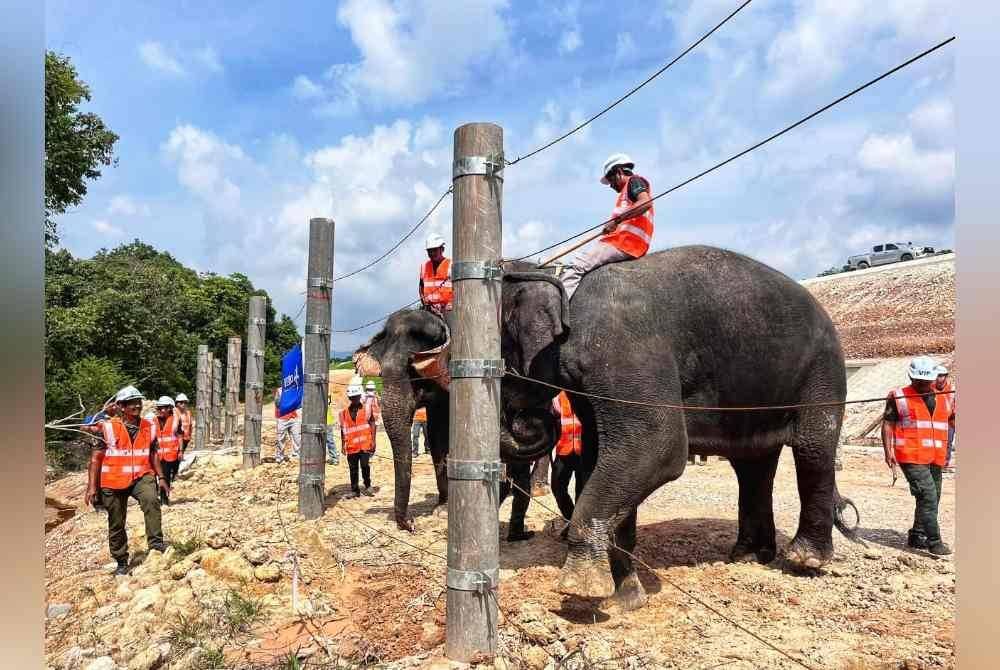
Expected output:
(692, 325)
(390, 353)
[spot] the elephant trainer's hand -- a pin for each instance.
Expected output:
(610, 226)
(890, 459)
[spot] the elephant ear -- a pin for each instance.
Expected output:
(535, 315)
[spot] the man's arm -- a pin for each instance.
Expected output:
(640, 196)
(154, 462)
(889, 418)
(420, 290)
(94, 475)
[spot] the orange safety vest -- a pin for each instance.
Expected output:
(437, 285)
(918, 437)
(124, 460)
(168, 445)
(357, 434)
(420, 414)
(948, 397)
(185, 419)
(631, 236)
(571, 437)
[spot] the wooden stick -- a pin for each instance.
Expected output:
(573, 248)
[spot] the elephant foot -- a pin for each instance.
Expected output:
(586, 578)
(403, 523)
(629, 596)
(442, 500)
(803, 554)
(744, 553)
(539, 490)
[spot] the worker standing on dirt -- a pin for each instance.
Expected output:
(290, 427)
(418, 426)
(357, 439)
(169, 433)
(126, 464)
(946, 390)
(915, 435)
(435, 278)
(629, 231)
(520, 473)
(568, 462)
(184, 418)
(332, 454)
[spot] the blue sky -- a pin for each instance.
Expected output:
(241, 120)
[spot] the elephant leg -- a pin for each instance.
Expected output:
(649, 451)
(437, 433)
(815, 452)
(540, 477)
(629, 592)
(755, 540)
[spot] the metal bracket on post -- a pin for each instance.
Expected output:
(253, 419)
(476, 367)
(252, 451)
(467, 580)
(311, 478)
(490, 471)
(488, 166)
(258, 321)
(312, 378)
(255, 386)
(316, 428)
(256, 352)
(320, 282)
(317, 329)
(475, 270)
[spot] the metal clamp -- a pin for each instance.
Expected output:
(252, 451)
(255, 386)
(317, 329)
(490, 471)
(258, 321)
(314, 378)
(469, 580)
(311, 478)
(317, 428)
(475, 270)
(256, 352)
(476, 367)
(320, 282)
(253, 419)
(488, 166)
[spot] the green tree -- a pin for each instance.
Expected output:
(76, 143)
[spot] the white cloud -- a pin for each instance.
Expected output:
(201, 160)
(125, 205)
(933, 123)
(625, 49)
(209, 59)
(403, 57)
(154, 55)
(570, 41)
(910, 171)
(105, 228)
(305, 88)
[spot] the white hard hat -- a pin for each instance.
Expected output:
(129, 393)
(434, 241)
(165, 401)
(922, 367)
(356, 380)
(370, 386)
(354, 390)
(940, 370)
(612, 161)
(181, 398)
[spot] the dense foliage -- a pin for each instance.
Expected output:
(136, 315)
(76, 143)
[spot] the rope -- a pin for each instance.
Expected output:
(631, 92)
(706, 408)
(757, 145)
(611, 544)
(400, 242)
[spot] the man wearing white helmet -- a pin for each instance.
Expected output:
(915, 435)
(184, 418)
(126, 464)
(357, 438)
(435, 278)
(169, 433)
(944, 386)
(289, 427)
(629, 231)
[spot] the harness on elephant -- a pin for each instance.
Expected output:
(429, 364)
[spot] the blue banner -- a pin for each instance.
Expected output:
(291, 381)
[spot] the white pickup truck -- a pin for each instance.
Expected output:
(890, 252)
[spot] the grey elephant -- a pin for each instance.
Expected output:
(410, 339)
(693, 325)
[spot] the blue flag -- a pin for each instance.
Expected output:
(291, 381)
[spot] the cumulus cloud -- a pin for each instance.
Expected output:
(202, 160)
(155, 55)
(625, 49)
(305, 88)
(106, 229)
(126, 206)
(570, 41)
(402, 59)
(209, 59)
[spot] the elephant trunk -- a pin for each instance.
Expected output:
(397, 414)
(527, 435)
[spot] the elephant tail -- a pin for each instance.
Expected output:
(840, 504)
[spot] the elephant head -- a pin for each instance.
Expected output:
(534, 324)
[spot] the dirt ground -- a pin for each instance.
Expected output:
(363, 595)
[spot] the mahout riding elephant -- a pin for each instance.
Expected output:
(693, 325)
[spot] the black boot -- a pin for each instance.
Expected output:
(519, 534)
(939, 548)
(122, 568)
(916, 540)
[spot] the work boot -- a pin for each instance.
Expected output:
(157, 546)
(368, 491)
(939, 548)
(122, 568)
(353, 494)
(519, 534)
(916, 540)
